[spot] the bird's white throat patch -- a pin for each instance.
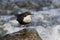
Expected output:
(27, 19)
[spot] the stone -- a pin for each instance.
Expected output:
(33, 4)
(25, 34)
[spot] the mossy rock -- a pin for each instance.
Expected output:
(25, 34)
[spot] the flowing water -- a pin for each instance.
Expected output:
(46, 22)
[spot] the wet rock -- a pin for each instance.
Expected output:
(3, 12)
(6, 12)
(11, 5)
(25, 34)
(2, 31)
(33, 4)
(56, 3)
(28, 4)
(7, 5)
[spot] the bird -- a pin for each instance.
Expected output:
(24, 18)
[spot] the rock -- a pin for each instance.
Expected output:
(56, 3)
(6, 12)
(25, 34)
(9, 6)
(33, 4)
(3, 12)
(2, 31)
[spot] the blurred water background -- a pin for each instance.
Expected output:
(46, 18)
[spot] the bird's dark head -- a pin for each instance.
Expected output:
(27, 13)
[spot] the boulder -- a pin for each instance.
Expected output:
(25, 34)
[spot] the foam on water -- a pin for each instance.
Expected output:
(47, 24)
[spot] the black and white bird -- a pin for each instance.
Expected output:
(24, 18)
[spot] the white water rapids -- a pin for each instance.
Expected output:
(47, 24)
